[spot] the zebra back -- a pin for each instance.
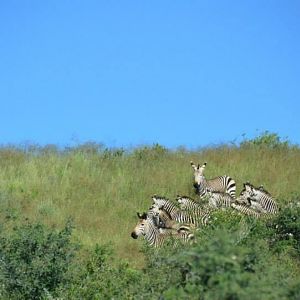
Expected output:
(222, 184)
(219, 200)
(187, 203)
(265, 200)
(246, 210)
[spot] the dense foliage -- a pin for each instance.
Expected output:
(236, 258)
(44, 257)
(33, 260)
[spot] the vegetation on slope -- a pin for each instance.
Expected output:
(101, 190)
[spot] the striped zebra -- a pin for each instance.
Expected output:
(258, 199)
(219, 200)
(190, 205)
(224, 184)
(164, 220)
(193, 218)
(156, 237)
(187, 203)
(246, 210)
(245, 200)
(215, 200)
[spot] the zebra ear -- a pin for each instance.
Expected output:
(193, 165)
(142, 216)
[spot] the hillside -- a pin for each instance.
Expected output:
(101, 189)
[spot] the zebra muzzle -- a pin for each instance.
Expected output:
(134, 235)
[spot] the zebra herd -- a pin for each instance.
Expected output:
(176, 221)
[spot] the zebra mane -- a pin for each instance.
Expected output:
(159, 197)
(262, 189)
(248, 184)
(183, 196)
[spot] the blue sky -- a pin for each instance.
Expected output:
(126, 73)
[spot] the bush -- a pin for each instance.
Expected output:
(287, 228)
(266, 140)
(34, 260)
(220, 267)
(155, 152)
(101, 278)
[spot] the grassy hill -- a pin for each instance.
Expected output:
(102, 189)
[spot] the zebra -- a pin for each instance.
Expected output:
(215, 200)
(258, 198)
(224, 184)
(156, 237)
(193, 218)
(219, 200)
(164, 220)
(190, 205)
(246, 210)
(245, 199)
(187, 203)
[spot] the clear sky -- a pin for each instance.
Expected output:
(126, 73)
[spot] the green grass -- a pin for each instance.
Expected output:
(102, 190)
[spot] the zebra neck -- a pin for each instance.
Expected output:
(170, 209)
(152, 233)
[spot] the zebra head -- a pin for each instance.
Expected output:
(249, 189)
(246, 195)
(158, 201)
(258, 192)
(154, 212)
(198, 172)
(139, 229)
(183, 201)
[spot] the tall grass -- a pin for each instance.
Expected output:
(101, 190)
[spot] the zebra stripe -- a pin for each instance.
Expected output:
(258, 198)
(195, 218)
(164, 220)
(220, 184)
(223, 184)
(157, 237)
(186, 203)
(266, 201)
(219, 200)
(246, 210)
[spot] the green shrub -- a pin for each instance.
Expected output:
(100, 278)
(34, 260)
(287, 227)
(220, 266)
(154, 152)
(266, 140)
